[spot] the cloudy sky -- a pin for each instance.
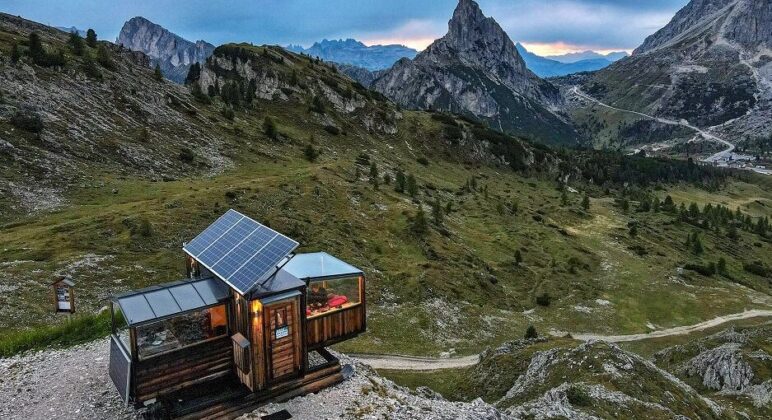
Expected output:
(544, 26)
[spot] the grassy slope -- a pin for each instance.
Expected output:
(457, 292)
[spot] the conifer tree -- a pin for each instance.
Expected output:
(586, 203)
(531, 333)
(412, 186)
(91, 38)
(157, 74)
(437, 211)
(400, 182)
(419, 226)
(269, 128)
(76, 43)
(15, 53)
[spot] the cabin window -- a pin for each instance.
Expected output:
(181, 331)
(331, 295)
(121, 328)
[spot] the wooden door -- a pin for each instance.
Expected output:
(283, 341)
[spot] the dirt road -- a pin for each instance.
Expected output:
(384, 361)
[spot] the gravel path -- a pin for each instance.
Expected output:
(61, 384)
(383, 361)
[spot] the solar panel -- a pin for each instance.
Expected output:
(239, 250)
(214, 231)
(263, 263)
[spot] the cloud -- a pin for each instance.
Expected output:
(598, 24)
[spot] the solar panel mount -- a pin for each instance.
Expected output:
(239, 250)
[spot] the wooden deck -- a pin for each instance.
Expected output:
(235, 403)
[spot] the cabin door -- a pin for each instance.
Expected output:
(283, 339)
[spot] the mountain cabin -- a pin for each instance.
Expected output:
(249, 324)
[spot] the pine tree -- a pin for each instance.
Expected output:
(530, 333)
(563, 198)
(697, 247)
(157, 74)
(668, 205)
(419, 226)
(586, 203)
(373, 172)
(36, 50)
(399, 183)
(412, 186)
(437, 211)
(269, 128)
(15, 53)
(76, 43)
(91, 38)
(310, 153)
(721, 267)
(625, 205)
(633, 230)
(518, 257)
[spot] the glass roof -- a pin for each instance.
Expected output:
(317, 265)
(170, 299)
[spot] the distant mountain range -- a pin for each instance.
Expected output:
(571, 63)
(171, 52)
(72, 29)
(355, 53)
(588, 55)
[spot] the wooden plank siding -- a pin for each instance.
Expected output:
(182, 368)
(333, 327)
(285, 352)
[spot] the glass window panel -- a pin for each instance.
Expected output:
(121, 328)
(329, 295)
(180, 331)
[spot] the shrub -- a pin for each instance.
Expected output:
(15, 53)
(317, 105)
(578, 396)
(105, 59)
(228, 113)
(310, 153)
(423, 161)
(412, 186)
(400, 182)
(757, 268)
(707, 271)
(518, 257)
(89, 67)
(187, 155)
(531, 332)
(27, 120)
(332, 129)
(544, 299)
(363, 159)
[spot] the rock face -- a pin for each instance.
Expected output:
(711, 65)
(475, 69)
(355, 53)
(360, 74)
(174, 54)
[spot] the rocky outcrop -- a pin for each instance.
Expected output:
(355, 53)
(476, 69)
(173, 53)
(360, 74)
(721, 368)
(711, 65)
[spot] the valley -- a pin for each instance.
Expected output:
(524, 258)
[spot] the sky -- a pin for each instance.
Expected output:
(545, 27)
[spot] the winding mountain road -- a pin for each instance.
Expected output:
(384, 361)
(683, 123)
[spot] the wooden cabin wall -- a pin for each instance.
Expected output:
(258, 343)
(182, 368)
(336, 326)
